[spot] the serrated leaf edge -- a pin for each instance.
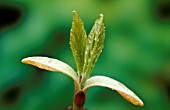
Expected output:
(78, 40)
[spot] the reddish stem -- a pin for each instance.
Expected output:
(79, 100)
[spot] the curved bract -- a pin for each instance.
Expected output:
(114, 85)
(54, 65)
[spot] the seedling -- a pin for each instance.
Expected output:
(86, 50)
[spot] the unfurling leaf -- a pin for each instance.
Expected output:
(78, 41)
(94, 46)
(114, 85)
(52, 65)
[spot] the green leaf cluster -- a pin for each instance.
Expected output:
(86, 49)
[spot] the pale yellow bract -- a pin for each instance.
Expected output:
(59, 66)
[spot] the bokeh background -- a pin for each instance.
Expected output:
(136, 52)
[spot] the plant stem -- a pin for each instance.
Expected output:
(75, 107)
(79, 100)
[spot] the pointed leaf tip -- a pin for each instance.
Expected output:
(101, 16)
(75, 14)
(74, 11)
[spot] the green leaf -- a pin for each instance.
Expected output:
(94, 46)
(53, 65)
(78, 40)
(114, 85)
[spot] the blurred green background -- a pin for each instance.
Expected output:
(136, 52)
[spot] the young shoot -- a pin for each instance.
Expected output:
(86, 49)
